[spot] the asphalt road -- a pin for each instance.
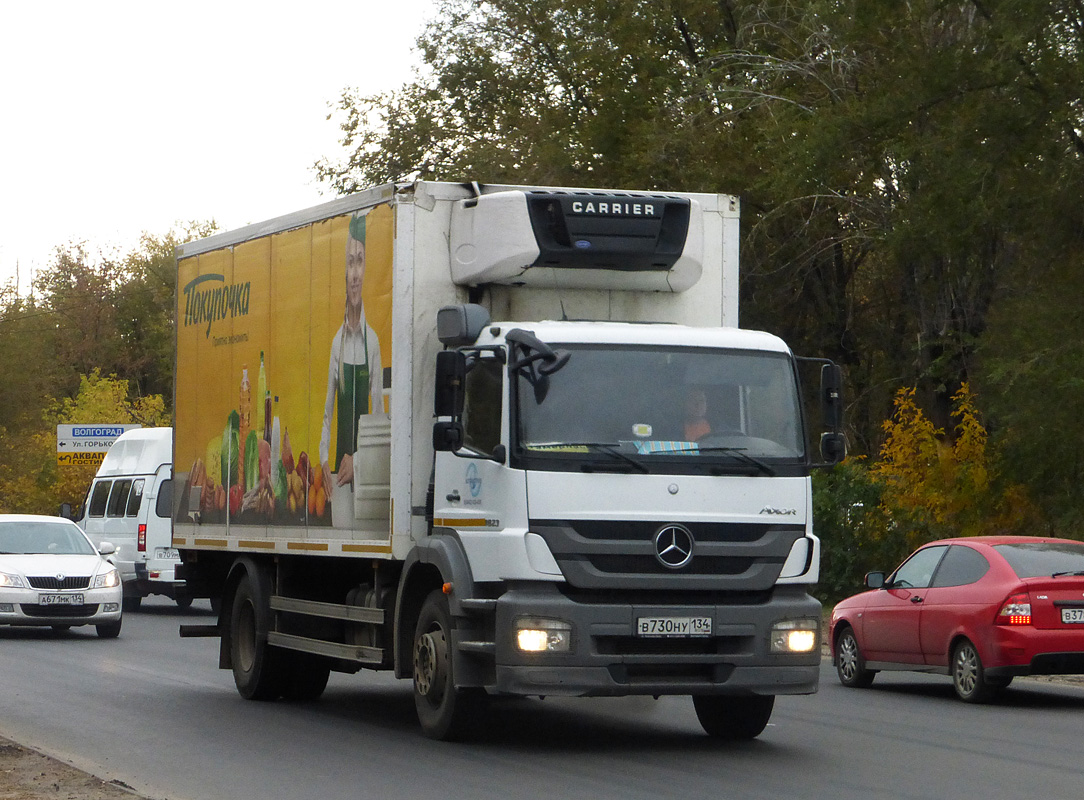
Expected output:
(152, 710)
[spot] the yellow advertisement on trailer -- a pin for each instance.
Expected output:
(284, 351)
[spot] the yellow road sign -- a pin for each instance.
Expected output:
(80, 459)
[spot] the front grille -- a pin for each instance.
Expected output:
(34, 610)
(637, 597)
(644, 530)
(52, 583)
(615, 555)
(648, 564)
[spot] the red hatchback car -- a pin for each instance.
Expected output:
(982, 609)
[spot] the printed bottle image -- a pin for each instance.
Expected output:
(266, 432)
(261, 390)
(276, 438)
(244, 410)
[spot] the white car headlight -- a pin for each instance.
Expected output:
(12, 581)
(106, 580)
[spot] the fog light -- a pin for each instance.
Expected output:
(110, 607)
(7, 608)
(795, 636)
(535, 635)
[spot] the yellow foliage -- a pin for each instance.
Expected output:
(30, 480)
(932, 487)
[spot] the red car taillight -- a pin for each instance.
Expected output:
(1016, 610)
(141, 541)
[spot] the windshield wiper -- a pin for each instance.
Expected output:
(740, 454)
(609, 449)
(1064, 574)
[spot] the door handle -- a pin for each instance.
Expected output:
(453, 496)
(916, 599)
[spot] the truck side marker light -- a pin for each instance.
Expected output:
(447, 588)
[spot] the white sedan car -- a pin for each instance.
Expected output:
(50, 574)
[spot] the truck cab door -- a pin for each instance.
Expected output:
(473, 488)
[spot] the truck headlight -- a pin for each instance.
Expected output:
(107, 580)
(795, 636)
(537, 635)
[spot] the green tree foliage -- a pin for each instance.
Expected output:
(29, 365)
(113, 312)
(848, 518)
(1032, 377)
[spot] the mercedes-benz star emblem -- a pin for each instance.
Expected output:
(674, 546)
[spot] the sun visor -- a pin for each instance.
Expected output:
(578, 240)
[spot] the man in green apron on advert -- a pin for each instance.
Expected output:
(355, 377)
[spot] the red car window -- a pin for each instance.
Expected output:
(1032, 559)
(960, 566)
(917, 571)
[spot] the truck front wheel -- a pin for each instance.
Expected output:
(259, 670)
(733, 717)
(444, 711)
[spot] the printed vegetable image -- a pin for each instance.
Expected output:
(231, 449)
(252, 462)
(213, 463)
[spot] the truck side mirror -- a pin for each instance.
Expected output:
(832, 396)
(447, 436)
(66, 510)
(833, 447)
(451, 374)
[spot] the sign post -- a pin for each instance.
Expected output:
(78, 445)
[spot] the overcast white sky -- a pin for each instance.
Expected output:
(123, 117)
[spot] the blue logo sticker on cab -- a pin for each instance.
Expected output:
(474, 482)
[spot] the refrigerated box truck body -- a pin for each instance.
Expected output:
(501, 440)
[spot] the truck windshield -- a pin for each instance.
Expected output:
(632, 407)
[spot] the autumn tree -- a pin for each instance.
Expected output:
(933, 486)
(93, 342)
(30, 479)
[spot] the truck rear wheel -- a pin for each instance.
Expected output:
(444, 711)
(259, 670)
(733, 717)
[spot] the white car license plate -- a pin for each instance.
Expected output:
(1069, 615)
(60, 599)
(673, 626)
(167, 553)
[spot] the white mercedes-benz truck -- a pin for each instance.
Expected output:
(504, 441)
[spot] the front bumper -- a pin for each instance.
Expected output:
(99, 607)
(607, 658)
